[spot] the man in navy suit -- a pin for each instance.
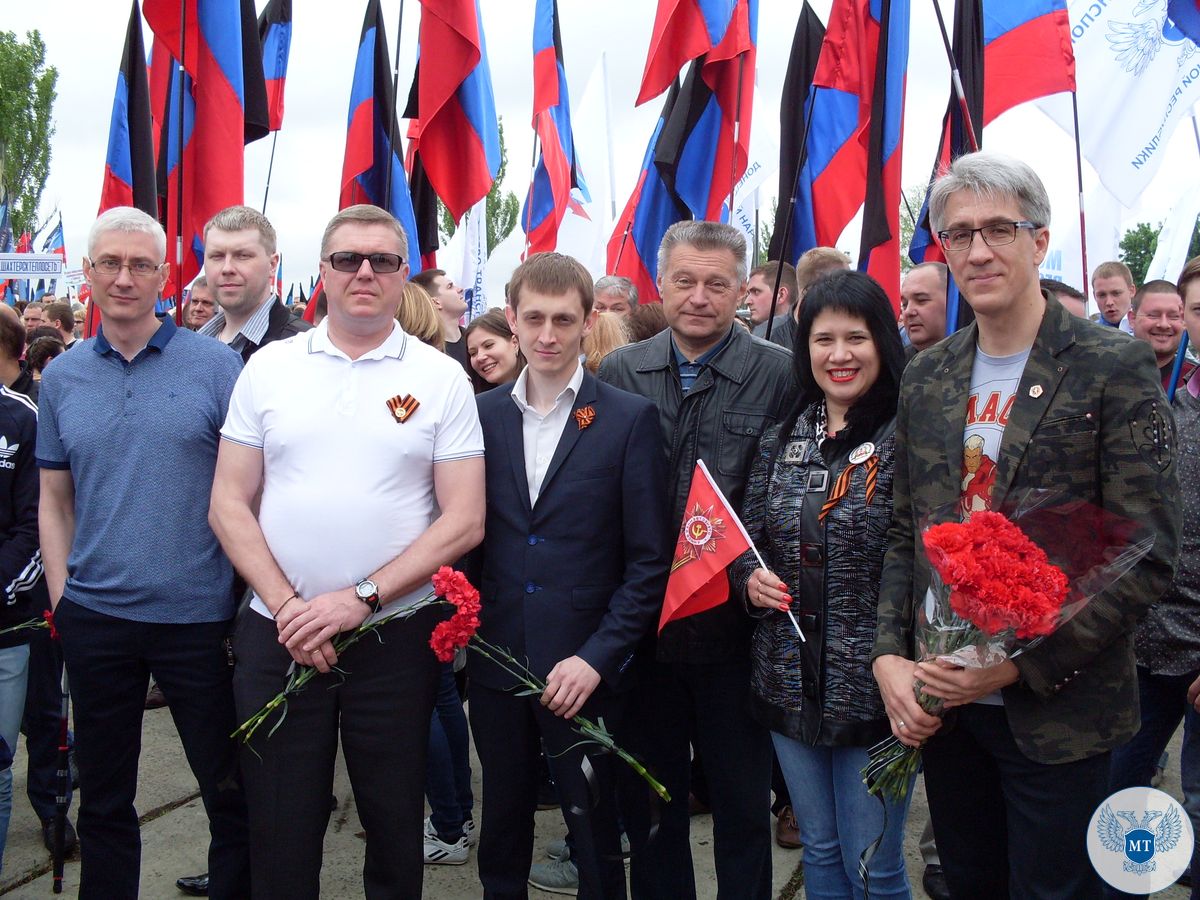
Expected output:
(571, 570)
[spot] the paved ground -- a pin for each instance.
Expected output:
(174, 837)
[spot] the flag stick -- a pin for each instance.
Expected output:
(742, 528)
(387, 182)
(1079, 183)
(179, 173)
(756, 202)
(956, 81)
(270, 167)
(621, 247)
(791, 213)
(1177, 369)
(608, 133)
(737, 132)
(529, 196)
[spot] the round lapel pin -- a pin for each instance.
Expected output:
(861, 453)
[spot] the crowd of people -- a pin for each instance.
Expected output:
(324, 474)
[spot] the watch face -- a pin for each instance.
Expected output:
(366, 590)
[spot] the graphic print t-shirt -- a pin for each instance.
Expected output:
(994, 381)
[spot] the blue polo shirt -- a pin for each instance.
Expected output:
(140, 440)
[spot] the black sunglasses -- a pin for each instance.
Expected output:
(381, 263)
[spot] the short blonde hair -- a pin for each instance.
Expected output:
(607, 334)
(418, 317)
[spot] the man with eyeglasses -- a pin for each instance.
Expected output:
(127, 445)
(717, 388)
(1157, 318)
(380, 451)
(1061, 406)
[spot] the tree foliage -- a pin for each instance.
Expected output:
(503, 208)
(27, 94)
(910, 208)
(1139, 244)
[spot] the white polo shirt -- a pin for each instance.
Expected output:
(346, 486)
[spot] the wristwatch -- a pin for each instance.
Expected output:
(368, 592)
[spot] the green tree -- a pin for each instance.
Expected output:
(1137, 248)
(910, 207)
(27, 94)
(1139, 244)
(502, 206)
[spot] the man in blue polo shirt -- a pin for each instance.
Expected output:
(127, 444)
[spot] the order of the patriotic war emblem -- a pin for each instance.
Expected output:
(700, 532)
(1138, 840)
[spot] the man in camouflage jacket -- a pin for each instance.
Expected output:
(1013, 780)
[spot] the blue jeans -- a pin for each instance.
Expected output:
(14, 669)
(448, 770)
(838, 820)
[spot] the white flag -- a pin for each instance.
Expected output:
(1138, 76)
(1064, 261)
(465, 255)
(1176, 236)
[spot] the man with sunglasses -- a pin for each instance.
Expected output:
(1018, 765)
(350, 470)
(127, 444)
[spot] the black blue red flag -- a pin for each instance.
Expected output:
(372, 168)
(129, 164)
(652, 208)
(275, 36)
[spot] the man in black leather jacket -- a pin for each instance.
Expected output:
(717, 388)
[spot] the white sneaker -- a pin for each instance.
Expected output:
(438, 852)
(470, 832)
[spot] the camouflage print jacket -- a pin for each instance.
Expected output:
(1089, 419)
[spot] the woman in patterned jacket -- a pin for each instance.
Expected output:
(818, 506)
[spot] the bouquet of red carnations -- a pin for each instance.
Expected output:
(995, 592)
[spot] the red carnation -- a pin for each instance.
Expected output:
(999, 578)
(48, 615)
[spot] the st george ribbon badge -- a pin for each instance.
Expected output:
(402, 408)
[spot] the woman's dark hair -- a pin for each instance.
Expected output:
(860, 296)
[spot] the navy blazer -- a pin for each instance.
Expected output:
(582, 572)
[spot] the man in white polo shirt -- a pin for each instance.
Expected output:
(345, 530)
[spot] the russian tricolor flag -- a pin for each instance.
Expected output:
(460, 139)
(1026, 53)
(557, 171)
(370, 156)
(129, 164)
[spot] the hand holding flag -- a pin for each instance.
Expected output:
(711, 536)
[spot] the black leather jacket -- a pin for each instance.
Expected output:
(281, 324)
(742, 391)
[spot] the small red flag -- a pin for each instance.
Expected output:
(710, 537)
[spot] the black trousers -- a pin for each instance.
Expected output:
(109, 662)
(1008, 826)
(43, 710)
(508, 731)
(381, 707)
(705, 704)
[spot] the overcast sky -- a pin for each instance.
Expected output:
(84, 41)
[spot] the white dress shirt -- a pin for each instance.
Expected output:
(541, 433)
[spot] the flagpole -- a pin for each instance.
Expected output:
(1177, 369)
(737, 130)
(956, 81)
(179, 169)
(529, 197)
(791, 213)
(621, 246)
(1079, 182)
(608, 133)
(387, 190)
(270, 167)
